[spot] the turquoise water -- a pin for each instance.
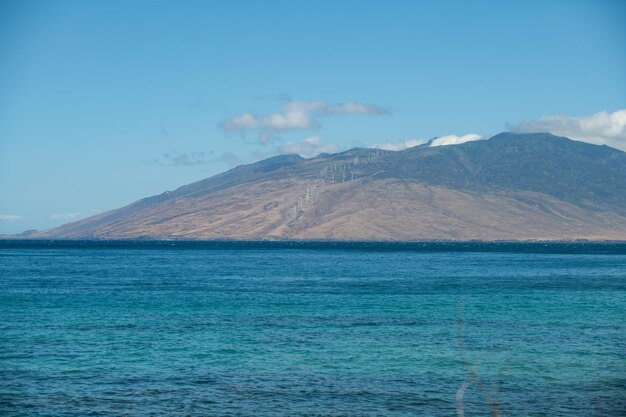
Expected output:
(320, 329)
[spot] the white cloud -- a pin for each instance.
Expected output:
(189, 159)
(11, 218)
(401, 145)
(67, 216)
(241, 122)
(308, 148)
(602, 128)
(357, 108)
(72, 216)
(303, 115)
(438, 141)
(454, 139)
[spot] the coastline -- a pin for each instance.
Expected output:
(519, 246)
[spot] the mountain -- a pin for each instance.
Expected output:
(510, 187)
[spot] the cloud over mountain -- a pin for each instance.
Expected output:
(454, 139)
(438, 141)
(400, 145)
(601, 128)
(296, 115)
(308, 147)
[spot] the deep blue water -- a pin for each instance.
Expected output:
(262, 329)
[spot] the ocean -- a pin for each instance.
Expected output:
(312, 329)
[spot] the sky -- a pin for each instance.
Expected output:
(106, 102)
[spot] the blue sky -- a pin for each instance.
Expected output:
(102, 103)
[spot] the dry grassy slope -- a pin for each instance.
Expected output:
(241, 211)
(408, 210)
(368, 209)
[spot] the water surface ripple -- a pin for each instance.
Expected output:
(269, 330)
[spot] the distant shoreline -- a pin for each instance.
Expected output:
(563, 246)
